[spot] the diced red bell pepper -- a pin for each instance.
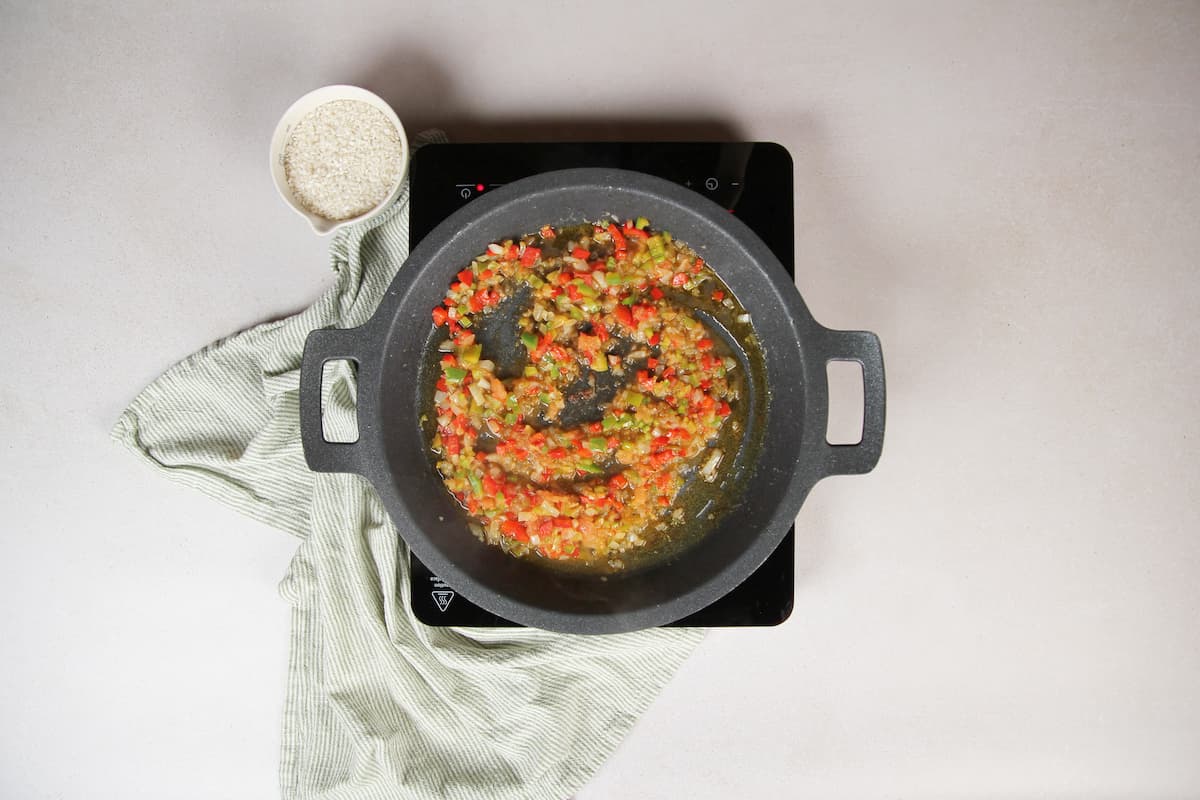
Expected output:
(718, 296)
(601, 331)
(547, 232)
(486, 274)
(557, 453)
(637, 233)
(623, 315)
(724, 410)
(439, 316)
(579, 252)
(654, 339)
(618, 239)
(645, 381)
(704, 344)
(656, 293)
(573, 293)
(679, 279)
(514, 529)
(530, 255)
(450, 444)
(512, 252)
(651, 362)
(466, 276)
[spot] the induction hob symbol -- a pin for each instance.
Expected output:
(442, 597)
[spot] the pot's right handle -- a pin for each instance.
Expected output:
(321, 346)
(863, 347)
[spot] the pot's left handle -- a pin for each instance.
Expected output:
(321, 346)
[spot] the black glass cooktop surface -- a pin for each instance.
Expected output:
(751, 179)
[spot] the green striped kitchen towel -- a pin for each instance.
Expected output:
(379, 705)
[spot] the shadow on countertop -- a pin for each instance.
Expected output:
(424, 96)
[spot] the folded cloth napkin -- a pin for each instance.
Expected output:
(378, 704)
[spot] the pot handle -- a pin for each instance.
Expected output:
(321, 346)
(863, 347)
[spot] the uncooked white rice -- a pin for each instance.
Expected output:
(343, 159)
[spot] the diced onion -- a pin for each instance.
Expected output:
(709, 470)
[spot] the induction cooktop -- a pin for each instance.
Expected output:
(751, 179)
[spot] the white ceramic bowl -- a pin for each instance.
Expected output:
(283, 132)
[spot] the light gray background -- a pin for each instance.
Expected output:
(1007, 193)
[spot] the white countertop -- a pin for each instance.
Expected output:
(1008, 194)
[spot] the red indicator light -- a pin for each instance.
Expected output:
(479, 187)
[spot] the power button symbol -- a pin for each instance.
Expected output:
(465, 194)
(710, 184)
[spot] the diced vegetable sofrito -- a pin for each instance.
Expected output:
(607, 298)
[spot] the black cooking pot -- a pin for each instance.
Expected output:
(391, 450)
